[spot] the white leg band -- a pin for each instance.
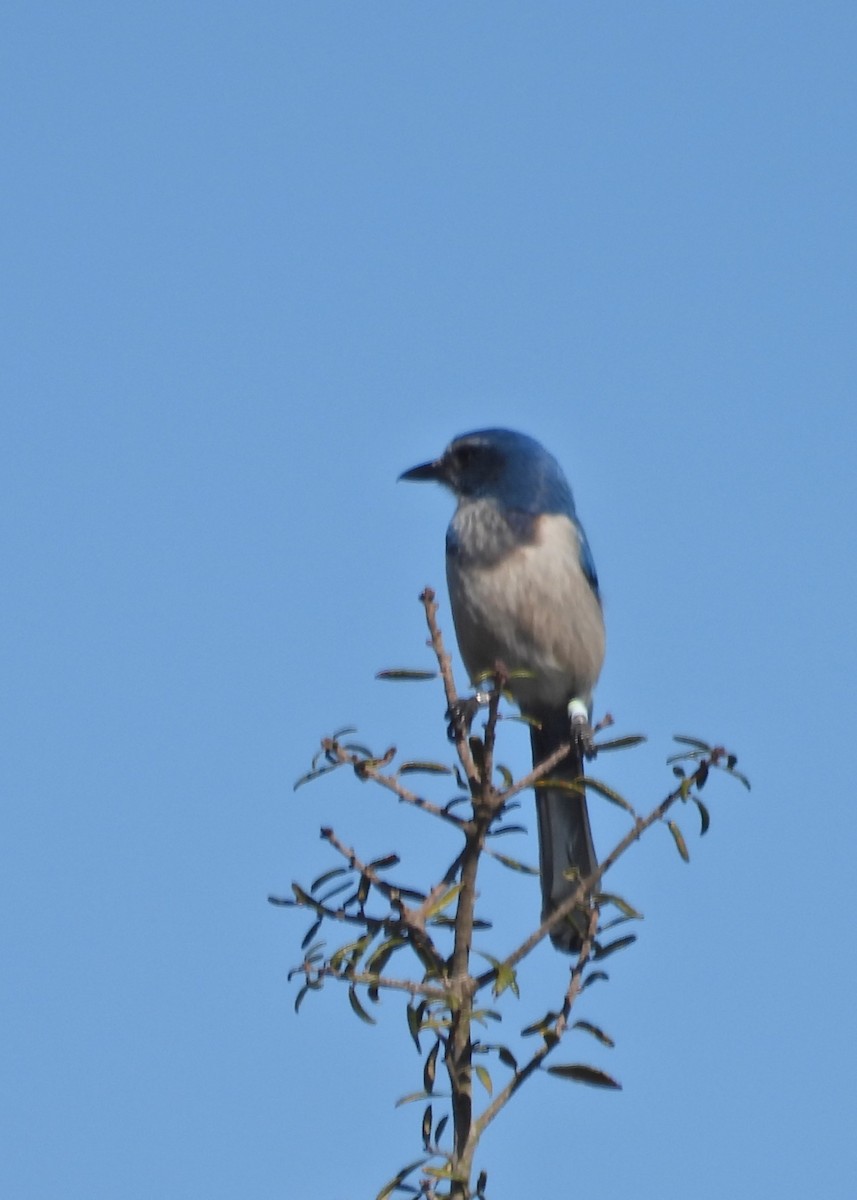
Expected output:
(578, 712)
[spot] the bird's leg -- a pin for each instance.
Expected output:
(462, 713)
(581, 731)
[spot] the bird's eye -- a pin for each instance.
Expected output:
(464, 456)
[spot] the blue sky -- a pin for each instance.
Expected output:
(257, 260)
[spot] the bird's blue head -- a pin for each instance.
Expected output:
(501, 465)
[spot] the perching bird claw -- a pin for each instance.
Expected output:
(583, 736)
(462, 714)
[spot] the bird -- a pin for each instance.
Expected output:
(524, 593)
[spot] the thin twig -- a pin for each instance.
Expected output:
(413, 920)
(538, 772)
(444, 663)
(587, 885)
(367, 979)
(550, 1042)
(369, 769)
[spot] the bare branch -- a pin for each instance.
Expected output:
(551, 1039)
(368, 768)
(587, 886)
(444, 663)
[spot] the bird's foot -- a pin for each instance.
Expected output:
(582, 733)
(462, 713)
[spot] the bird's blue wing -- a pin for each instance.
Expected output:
(587, 562)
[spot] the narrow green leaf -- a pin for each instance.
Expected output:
(385, 862)
(350, 950)
(424, 767)
(441, 1125)
(484, 1078)
(624, 907)
(426, 1127)
(326, 877)
(426, 959)
(577, 786)
(696, 743)
(400, 1177)
(378, 959)
(398, 673)
(437, 1024)
(489, 958)
(704, 818)
(430, 1069)
(621, 743)
(507, 977)
(541, 1026)
(597, 1033)
(513, 864)
(596, 785)
(686, 756)
(310, 933)
(443, 901)
(481, 1184)
(310, 775)
(335, 891)
(602, 952)
(505, 774)
(604, 926)
(363, 751)
(593, 977)
(500, 830)
(486, 1014)
(415, 1021)
(507, 1058)
(449, 923)
(679, 840)
(741, 778)
(444, 1172)
(411, 1098)
(581, 1073)
(358, 1007)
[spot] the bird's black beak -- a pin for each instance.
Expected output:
(426, 471)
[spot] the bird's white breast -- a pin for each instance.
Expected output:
(526, 603)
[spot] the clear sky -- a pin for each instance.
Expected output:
(257, 259)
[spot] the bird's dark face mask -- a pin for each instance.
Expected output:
(469, 467)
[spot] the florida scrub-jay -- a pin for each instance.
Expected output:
(524, 592)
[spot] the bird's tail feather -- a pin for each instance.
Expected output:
(565, 838)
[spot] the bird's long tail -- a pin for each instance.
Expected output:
(565, 838)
